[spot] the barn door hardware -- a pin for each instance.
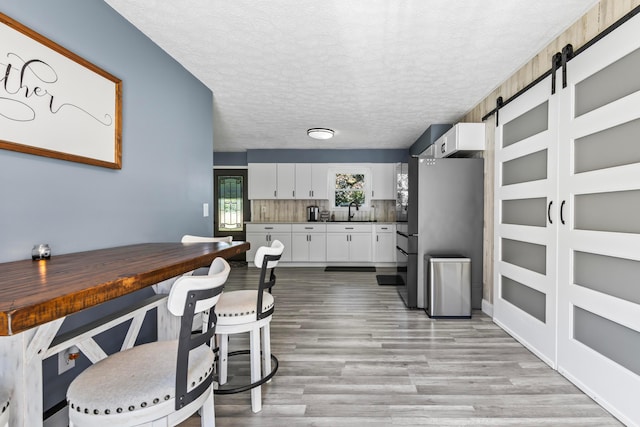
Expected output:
(567, 54)
(499, 104)
(556, 62)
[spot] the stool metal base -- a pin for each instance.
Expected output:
(240, 389)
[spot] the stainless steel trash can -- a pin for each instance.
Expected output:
(448, 286)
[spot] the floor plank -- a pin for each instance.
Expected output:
(351, 354)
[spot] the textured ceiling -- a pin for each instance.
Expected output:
(378, 72)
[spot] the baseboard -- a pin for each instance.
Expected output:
(487, 308)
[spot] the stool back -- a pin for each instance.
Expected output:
(267, 258)
(187, 238)
(189, 296)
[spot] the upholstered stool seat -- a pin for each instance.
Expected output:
(136, 380)
(240, 306)
(160, 383)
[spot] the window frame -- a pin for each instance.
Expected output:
(350, 169)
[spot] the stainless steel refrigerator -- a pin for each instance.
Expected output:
(444, 214)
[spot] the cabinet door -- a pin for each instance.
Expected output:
(360, 247)
(303, 181)
(337, 247)
(384, 181)
(319, 181)
(385, 247)
(526, 220)
(286, 181)
(255, 240)
(262, 181)
(599, 231)
(300, 247)
(285, 238)
(317, 247)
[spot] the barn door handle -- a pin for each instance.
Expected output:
(549, 212)
(562, 211)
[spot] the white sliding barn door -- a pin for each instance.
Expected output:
(599, 243)
(525, 234)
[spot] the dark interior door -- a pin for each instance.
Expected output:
(232, 204)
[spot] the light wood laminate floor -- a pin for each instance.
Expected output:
(351, 354)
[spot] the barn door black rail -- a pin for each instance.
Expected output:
(560, 59)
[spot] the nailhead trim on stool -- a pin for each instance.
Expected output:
(89, 397)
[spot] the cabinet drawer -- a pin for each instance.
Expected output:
(309, 228)
(274, 228)
(349, 228)
(385, 228)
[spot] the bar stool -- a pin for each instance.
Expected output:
(159, 383)
(250, 311)
(4, 409)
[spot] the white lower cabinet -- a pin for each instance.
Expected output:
(264, 234)
(308, 242)
(384, 243)
(324, 243)
(349, 243)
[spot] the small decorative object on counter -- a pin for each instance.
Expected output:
(324, 216)
(333, 217)
(42, 251)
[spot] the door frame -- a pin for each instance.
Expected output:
(246, 211)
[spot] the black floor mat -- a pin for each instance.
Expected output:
(358, 269)
(392, 280)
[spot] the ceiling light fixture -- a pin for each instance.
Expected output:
(320, 133)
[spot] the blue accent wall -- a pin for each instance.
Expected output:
(228, 158)
(327, 156)
(167, 140)
(167, 144)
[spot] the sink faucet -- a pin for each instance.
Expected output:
(350, 214)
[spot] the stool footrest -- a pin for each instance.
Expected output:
(240, 389)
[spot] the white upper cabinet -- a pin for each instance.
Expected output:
(262, 181)
(286, 187)
(311, 181)
(384, 181)
(271, 181)
(461, 137)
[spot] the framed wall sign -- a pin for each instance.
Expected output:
(54, 103)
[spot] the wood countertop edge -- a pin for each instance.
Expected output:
(13, 322)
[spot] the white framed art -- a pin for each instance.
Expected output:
(54, 103)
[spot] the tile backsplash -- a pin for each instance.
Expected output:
(296, 211)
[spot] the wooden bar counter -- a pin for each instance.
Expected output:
(35, 292)
(36, 296)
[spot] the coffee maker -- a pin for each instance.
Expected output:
(313, 213)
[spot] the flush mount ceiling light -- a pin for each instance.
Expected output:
(320, 133)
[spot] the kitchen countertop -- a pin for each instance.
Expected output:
(320, 222)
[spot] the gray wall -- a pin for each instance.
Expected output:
(429, 136)
(167, 142)
(166, 172)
